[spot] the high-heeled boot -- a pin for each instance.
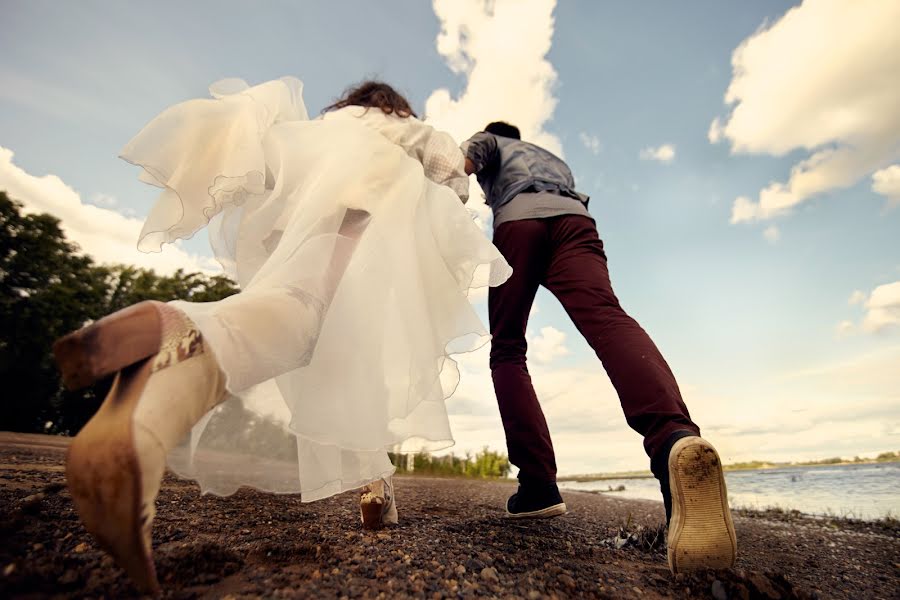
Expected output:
(166, 379)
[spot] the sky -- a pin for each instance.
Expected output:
(742, 159)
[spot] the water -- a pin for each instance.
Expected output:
(856, 491)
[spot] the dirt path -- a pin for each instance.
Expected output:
(452, 542)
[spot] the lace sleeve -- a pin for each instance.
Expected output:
(442, 160)
(444, 163)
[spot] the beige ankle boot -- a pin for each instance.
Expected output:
(167, 380)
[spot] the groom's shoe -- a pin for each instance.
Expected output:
(535, 501)
(700, 529)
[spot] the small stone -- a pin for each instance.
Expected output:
(460, 570)
(69, 577)
(718, 590)
(81, 548)
(567, 580)
(741, 592)
(490, 574)
(763, 585)
(638, 591)
(474, 565)
(37, 547)
(533, 595)
(9, 569)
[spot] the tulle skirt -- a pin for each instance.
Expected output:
(322, 382)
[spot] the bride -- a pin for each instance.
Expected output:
(354, 256)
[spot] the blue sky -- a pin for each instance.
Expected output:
(750, 302)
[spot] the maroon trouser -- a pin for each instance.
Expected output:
(565, 255)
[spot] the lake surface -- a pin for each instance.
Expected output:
(856, 491)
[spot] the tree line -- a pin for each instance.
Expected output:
(484, 464)
(48, 288)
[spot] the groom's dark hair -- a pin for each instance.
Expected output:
(505, 129)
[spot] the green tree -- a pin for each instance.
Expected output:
(47, 289)
(484, 464)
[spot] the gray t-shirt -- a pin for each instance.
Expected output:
(538, 205)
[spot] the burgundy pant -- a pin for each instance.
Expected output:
(565, 255)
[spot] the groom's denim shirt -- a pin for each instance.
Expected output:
(506, 167)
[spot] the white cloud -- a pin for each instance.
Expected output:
(547, 346)
(887, 183)
(106, 235)
(501, 48)
(772, 234)
(663, 154)
(591, 142)
(794, 88)
(857, 297)
(104, 200)
(715, 131)
(882, 308)
(845, 328)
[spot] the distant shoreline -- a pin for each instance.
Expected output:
(752, 466)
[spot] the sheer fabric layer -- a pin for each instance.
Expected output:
(323, 381)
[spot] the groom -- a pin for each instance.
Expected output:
(544, 230)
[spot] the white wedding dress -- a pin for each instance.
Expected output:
(315, 409)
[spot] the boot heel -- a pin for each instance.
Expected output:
(103, 476)
(371, 512)
(109, 345)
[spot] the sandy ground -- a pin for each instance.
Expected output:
(452, 542)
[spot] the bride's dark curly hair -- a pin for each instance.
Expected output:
(374, 94)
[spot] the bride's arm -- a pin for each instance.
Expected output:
(441, 158)
(444, 163)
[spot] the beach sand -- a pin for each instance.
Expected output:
(452, 542)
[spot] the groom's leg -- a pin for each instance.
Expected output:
(524, 245)
(647, 389)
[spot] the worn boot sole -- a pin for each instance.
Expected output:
(701, 532)
(102, 468)
(545, 513)
(103, 476)
(108, 345)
